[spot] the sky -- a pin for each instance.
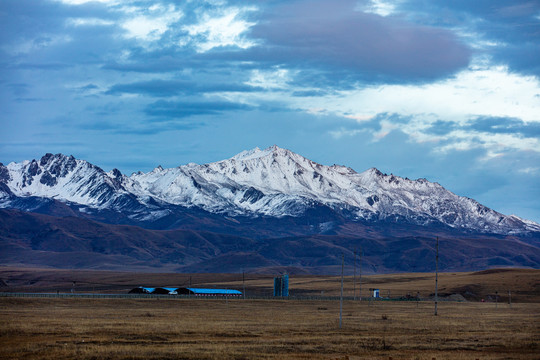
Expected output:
(443, 90)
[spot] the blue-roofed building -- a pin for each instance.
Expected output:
(185, 291)
(214, 292)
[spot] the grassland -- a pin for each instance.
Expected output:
(264, 329)
(77, 328)
(524, 284)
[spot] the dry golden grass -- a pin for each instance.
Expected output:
(523, 283)
(76, 328)
(72, 328)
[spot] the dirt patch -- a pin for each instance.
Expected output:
(456, 297)
(491, 271)
(469, 292)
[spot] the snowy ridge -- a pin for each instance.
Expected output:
(271, 182)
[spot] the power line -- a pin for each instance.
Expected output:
(436, 275)
(354, 277)
(360, 276)
(341, 297)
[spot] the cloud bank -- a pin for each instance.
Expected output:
(421, 88)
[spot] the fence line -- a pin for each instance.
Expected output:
(239, 298)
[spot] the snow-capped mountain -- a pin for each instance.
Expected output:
(66, 179)
(273, 182)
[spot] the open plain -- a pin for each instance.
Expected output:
(257, 328)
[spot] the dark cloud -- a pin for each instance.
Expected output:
(520, 57)
(163, 56)
(513, 26)
(49, 64)
(150, 64)
(38, 20)
(502, 125)
(167, 110)
(165, 88)
(484, 124)
(349, 126)
(153, 129)
(331, 35)
(107, 124)
(140, 129)
(88, 87)
(487, 124)
(42, 66)
(38, 35)
(26, 18)
(327, 79)
(174, 59)
(308, 93)
(29, 99)
(441, 127)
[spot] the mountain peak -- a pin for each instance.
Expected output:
(45, 158)
(116, 173)
(375, 171)
(271, 182)
(257, 153)
(48, 157)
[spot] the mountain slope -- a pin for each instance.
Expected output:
(274, 183)
(29, 239)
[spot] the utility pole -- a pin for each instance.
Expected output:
(509, 299)
(244, 284)
(360, 277)
(341, 296)
(436, 275)
(354, 276)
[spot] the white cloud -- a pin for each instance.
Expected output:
(530, 170)
(482, 91)
(491, 91)
(88, 22)
(151, 24)
(36, 44)
(272, 79)
(80, 2)
(342, 132)
(140, 22)
(145, 28)
(496, 144)
(222, 27)
(379, 7)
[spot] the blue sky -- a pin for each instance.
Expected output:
(446, 90)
